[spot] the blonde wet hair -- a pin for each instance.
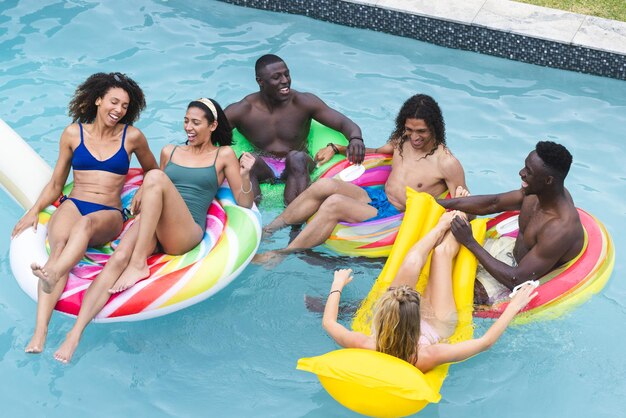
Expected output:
(396, 323)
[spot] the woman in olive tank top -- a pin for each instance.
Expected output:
(172, 206)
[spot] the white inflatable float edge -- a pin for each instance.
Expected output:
(23, 173)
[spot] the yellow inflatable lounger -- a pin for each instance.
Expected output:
(376, 384)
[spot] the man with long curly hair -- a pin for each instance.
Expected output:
(420, 160)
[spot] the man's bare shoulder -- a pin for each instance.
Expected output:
(244, 104)
(568, 215)
(561, 222)
(560, 236)
(443, 152)
(445, 157)
(249, 100)
(305, 100)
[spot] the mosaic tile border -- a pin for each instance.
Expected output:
(452, 35)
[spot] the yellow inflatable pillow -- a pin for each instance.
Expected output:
(386, 387)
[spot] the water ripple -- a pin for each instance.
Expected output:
(247, 338)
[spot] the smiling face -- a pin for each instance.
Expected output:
(113, 105)
(197, 126)
(534, 175)
(275, 82)
(418, 134)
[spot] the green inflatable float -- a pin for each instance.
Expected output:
(319, 136)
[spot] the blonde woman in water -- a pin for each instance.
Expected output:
(414, 327)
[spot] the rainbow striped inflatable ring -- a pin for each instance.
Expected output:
(232, 238)
(567, 286)
(371, 238)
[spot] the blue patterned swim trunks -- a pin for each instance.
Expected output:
(380, 203)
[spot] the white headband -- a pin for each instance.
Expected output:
(210, 105)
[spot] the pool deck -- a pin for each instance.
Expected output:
(520, 18)
(503, 28)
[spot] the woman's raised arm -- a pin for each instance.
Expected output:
(342, 336)
(448, 353)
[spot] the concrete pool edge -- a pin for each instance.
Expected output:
(502, 28)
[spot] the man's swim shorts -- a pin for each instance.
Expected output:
(380, 203)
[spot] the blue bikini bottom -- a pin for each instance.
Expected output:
(85, 208)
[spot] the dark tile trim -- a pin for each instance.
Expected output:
(452, 35)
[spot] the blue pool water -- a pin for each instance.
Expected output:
(235, 354)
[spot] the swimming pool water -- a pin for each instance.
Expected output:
(234, 355)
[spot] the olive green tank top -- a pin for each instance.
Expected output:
(197, 186)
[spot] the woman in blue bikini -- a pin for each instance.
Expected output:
(172, 207)
(98, 147)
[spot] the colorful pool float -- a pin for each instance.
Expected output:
(366, 239)
(567, 286)
(372, 238)
(319, 136)
(231, 239)
(376, 384)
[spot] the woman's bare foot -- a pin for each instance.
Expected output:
(262, 258)
(37, 342)
(48, 277)
(269, 259)
(444, 224)
(446, 219)
(449, 241)
(129, 277)
(66, 350)
(461, 192)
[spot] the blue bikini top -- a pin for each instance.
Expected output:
(83, 160)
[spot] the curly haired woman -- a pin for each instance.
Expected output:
(97, 146)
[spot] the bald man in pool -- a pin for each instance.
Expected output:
(550, 231)
(420, 159)
(276, 120)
